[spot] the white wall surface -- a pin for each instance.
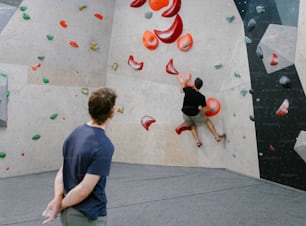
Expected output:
(150, 91)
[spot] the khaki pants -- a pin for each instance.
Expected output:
(72, 217)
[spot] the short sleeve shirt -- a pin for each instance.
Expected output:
(87, 150)
(193, 100)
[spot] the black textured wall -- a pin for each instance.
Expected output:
(276, 135)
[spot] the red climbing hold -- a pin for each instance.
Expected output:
(182, 127)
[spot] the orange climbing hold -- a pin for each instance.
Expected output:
(185, 42)
(99, 16)
(63, 23)
(213, 104)
(150, 40)
(74, 44)
(182, 127)
(158, 4)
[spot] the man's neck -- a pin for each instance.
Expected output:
(103, 126)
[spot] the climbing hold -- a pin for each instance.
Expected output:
(243, 92)
(218, 66)
(185, 78)
(251, 91)
(115, 66)
(23, 8)
(137, 3)
(50, 37)
(120, 109)
(41, 57)
(230, 19)
(283, 109)
(94, 46)
(45, 80)
(251, 25)
(150, 40)
(248, 40)
(274, 59)
(260, 9)
(63, 23)
(185, 42)
(146, 121)
(158, 4)
(26, 16)
(173, 9)
(85, 91)
(170, 68)
(285, 81)
(272, 148)
(252, 118)
(98, 16)
(173, 32)
(3, 75)
(259, 52)
(236, 74)
(148, 15)
(214, 105)
(74, 44)
(2, 155)
(134, 64)
(82, 7)
(53, 116)
(36, 137)
(7, 93)
(182, 127)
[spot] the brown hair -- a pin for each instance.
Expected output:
(100, 104)
(198, 83)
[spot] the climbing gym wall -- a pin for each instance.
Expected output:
(53, 54)
(154, 45)
(273, 31)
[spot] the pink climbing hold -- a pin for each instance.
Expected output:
(182, 127)
(283, 109)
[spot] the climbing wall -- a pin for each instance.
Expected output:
(54, 53)
(271, 28)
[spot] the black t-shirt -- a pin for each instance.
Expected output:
(192, 100)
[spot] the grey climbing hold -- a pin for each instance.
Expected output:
(148, 15)
(251, 25)
(259, 52)
(248, 40)
(285, 81)
(260, 9)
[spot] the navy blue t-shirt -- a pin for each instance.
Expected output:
(88, 150)
(192, 100)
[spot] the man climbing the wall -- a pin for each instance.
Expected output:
(79, 186)
(194, 109)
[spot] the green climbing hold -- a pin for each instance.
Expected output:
(26, 16)
(236, 74)
(218, 66)
(243, 92)
(247, 40)
(3, 75)
(36, 137)
(53, 116)
(50, 37)
(45, 80)
(8, 93)
(260, 9)
(41, 57)
(23, 8)
(230, 19)
(2, 155)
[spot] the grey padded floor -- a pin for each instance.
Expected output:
(141, 195)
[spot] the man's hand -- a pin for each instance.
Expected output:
(52, 210)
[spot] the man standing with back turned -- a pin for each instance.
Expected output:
(79, 186)
(194, 109)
